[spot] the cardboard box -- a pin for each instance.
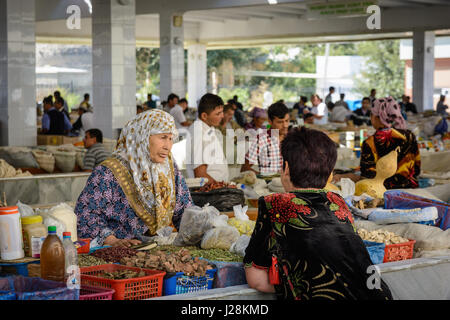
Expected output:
(56, 140)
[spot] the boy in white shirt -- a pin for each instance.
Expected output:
(207, 158)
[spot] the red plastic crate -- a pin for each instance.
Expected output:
(95, 293)
(141, 288)
(399, 251)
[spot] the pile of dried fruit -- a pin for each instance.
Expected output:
(215, 185)
(382, 236)
(114, 254)
(122, 274)
(85, 260)
(180, 261)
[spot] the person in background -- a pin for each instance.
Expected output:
(259, 116)
(96, 153)
(301, 106)
(264, 149)
(441, 108)
(329, 97)
(406, 105)
(138, 190)
(319, 109)
(361, 115)
(177, 112)
(227, 121)
(372, 96)
(149, 104)
(84, 122)
(85, 103)
(338, 112)
(59, 105)
(238, 104)
(53, 121)
(307, 235)
(139, 109)
(308, 118)
(341, 102)
(183, 103)
(391, 132)
(57, 95)
(239, 114)
(206, 148)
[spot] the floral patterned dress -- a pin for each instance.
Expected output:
(103, 209)
(319, 253)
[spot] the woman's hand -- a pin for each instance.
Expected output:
(113, 241)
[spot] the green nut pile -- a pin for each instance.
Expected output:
(209, 254)
(85, 260)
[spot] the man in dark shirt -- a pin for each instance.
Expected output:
(239, 114)
(53, 121)
(149, 104)
(362, 115)
(407, 106)
(301, 106)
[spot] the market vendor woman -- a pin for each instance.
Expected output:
(309, 231)
(390, 133)
(139, 189)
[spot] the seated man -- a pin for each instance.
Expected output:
(205, 157)
(96, 153)
(53, 121)
(264, 149)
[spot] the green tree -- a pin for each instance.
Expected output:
(383, 70)
(147, 71)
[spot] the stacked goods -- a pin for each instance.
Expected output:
(180, 261)
(381, 236)
(114, 254)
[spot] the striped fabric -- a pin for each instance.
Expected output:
(95, 155)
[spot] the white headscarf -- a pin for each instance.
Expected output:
(154, 181)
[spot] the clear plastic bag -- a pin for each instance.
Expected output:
(240, 245)
(25, 210)
(194, 223)
(220, 238)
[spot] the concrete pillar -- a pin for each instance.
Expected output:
(17, 73)
(423, 69)
(171, 52)
(113, 64)
(197, 73)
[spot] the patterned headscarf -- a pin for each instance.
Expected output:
(154, 181)
(389, 112)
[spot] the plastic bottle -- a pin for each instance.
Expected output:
(71, 274)
(11, 241)
(248, 192)
(52, 257)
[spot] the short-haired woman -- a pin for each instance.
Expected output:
(306, 235)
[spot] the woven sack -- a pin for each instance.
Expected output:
(65, 160)
(46, 160)
(222, 199)
(18, 157)
(81, 152)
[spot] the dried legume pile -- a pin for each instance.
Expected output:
(209, 254)
(122, 274)
(114, 254)
(85, 260)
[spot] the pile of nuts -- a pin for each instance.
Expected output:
(381, 236)
(180, 261)
(114, 254)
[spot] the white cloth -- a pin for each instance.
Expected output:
(320, 110)
(177, 113)
(87, 121)
(206, 148)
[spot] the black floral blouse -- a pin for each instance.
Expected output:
(320, 255)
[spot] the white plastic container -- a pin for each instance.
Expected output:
(11, 242)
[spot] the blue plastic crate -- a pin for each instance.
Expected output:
(7, 295)
(180, 283)
(20, 269)
(376, 251)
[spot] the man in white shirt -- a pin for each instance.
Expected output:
(319, 110)
(206, 157)
(177, 112)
